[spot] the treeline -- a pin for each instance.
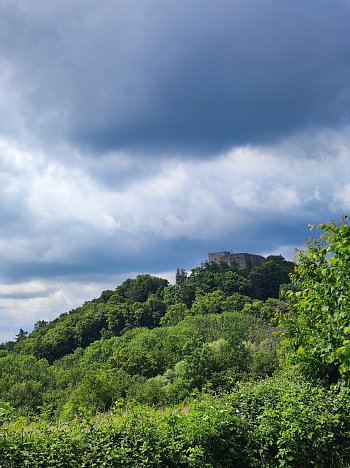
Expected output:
(144, 301)
(225, 368)
(148, 341)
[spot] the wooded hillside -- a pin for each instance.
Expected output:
(227, 367)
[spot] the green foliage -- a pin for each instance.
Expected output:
(174, 314)
(156, 366)
(294, 423)
(267, 310)
(211, 303)
(151, 343)
(218, 363)
(98, 391)
(317, 327)
(267, 277)
(135, 303)
(282, 421)
(264, 353)
(145, 300)
(140, 288)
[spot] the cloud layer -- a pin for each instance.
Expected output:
(62, 227)
(139, 137)
(164, 76)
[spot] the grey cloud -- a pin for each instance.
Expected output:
(69, 226)
(193, 77)
(25, 295)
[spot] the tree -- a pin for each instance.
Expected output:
(181, 277)
(21, 335)
(140, 288)
(211, 303)
(317, 324)
(267, 278)
(174, 314)
(40, 324)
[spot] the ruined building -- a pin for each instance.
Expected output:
(242, 260)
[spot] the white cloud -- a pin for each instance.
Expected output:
(50, 299)
(61, 208)
(56, 213)
(24, 303)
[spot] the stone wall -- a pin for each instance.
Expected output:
(242, 260)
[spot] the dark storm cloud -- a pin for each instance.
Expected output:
(194, 77)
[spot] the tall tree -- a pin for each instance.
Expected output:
(317, 326)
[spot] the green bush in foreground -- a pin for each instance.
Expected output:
(317, 325)
(282, 421)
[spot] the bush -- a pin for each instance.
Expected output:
(317, 326)
(281, 421)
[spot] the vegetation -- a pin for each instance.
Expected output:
(317, 326)
(225, 368)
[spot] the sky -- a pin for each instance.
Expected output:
(137, 136)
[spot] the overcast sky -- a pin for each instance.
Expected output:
(137, 136)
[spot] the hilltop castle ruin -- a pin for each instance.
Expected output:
(242, 260)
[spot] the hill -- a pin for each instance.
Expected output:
(191, 374)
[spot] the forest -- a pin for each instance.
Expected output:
(225, 368)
